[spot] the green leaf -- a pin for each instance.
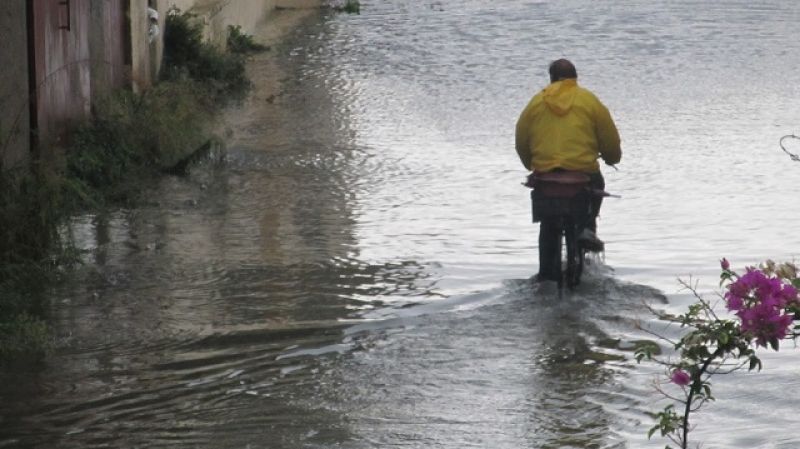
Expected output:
(707, 392)
(774, 343)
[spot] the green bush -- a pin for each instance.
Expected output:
(242, 43)
(24, 336)
(131, 139)
(349, 6)
(186, 55)
(135, 137)
(32, 206)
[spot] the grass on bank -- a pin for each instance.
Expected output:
(135, 137)
(131, 140)
(349, 6)
(30, 251)
(241, 43)
(187, 56)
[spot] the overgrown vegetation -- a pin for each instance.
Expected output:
(348, 6)
(131, 139)
(188, 56)
(242, 43)
(32, 205)
(135, 137)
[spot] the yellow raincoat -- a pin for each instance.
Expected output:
(566, 126)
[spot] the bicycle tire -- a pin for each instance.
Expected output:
(557, 254)
(575, 254)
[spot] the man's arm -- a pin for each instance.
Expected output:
(523, 139)
(607, 137)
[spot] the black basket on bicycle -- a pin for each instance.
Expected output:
(560, 193)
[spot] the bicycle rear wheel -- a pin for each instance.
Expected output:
(575, 254)
(550, 249)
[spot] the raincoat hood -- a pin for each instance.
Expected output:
(565, 126)
(559, 96)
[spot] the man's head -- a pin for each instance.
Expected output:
(562, 69)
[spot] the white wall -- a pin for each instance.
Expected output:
(248, 14)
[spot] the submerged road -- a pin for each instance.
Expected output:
(354, 271)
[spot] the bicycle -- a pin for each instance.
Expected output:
(561, 201)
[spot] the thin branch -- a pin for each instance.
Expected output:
(693, 288)
(692, 389)
(792, 156)
(667, 395)
(658, 336)
(736, 367)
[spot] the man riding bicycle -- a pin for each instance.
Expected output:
(565, 127)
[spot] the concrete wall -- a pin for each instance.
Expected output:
(218, 14)
(145, 52)
(14, 98)
(248, 14)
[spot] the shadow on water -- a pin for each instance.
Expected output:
(171, 334)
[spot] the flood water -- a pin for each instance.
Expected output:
(354, 271)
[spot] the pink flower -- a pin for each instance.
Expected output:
(789, 294)
(725, 264)
(734, 302)
(752, 279)
(741, 287)
(760, 300)
(765, 323)
(680, 377)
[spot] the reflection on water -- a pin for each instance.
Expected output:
(353, 273)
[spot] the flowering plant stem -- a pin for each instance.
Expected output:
(697, 385)
(763, 302)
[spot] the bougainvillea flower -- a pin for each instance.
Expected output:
(734, 302)
(760, 300)
(789, 294)
(765, 322)
(680, 377)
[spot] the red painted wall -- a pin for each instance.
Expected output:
(61, 66)
(115, 36)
